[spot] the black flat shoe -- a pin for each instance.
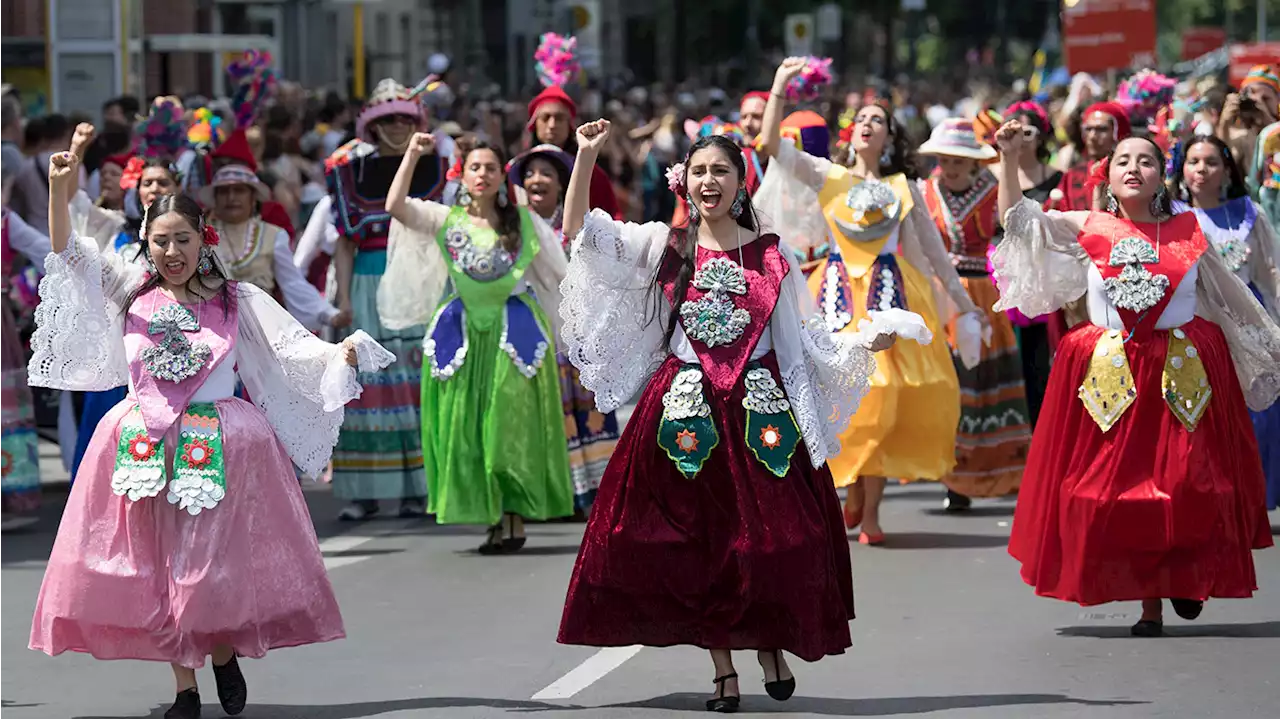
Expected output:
(1187, 608)
(185, 706)
(232, 691)
(956, 502)
(1148, 628)
(722, 704)
(780, 689)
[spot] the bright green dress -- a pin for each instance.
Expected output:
(493, 435)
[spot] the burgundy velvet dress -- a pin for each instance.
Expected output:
(735, 556)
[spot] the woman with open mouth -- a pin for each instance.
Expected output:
(717, 524)
(886, 254)
(1208, 181)
(187, 536)
(543, 173)
(484, 277)
(1144, 480)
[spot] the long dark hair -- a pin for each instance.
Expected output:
(1166, 199)
(1234, 177)
(903, 150)
(133, 225)
(190, 211)
(682, 242)
(508, 217)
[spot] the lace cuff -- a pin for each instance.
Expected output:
(414, 280)
(1254, 339)
(1039, 266)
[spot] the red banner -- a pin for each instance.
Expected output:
(1101, 35)
(1246, 55)
(1197, 41)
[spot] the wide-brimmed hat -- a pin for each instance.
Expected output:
(233, 175)
(558, 157)
(955, 137)
(389, 98)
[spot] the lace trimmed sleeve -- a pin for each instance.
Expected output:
(298, 380)
(1040, 266)
(416, 272)
(548, 270)
(1264, 265)
(923, 247)
(788, 197)
(613, 325)
(1252, 336)
(78, 344)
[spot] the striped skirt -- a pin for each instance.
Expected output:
(994, 433)
(379, 452)
(592, 436)
(19, 445)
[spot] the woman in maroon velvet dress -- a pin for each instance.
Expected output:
(716, 523)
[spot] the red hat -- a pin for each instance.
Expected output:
(121, 160)
(755, 95)
(236, 148)
(553, 93)
(1118, 115)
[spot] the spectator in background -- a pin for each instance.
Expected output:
(335, 117)
(121, 110)
(30, 198)
(11, 131)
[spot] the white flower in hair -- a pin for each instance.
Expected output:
(675, 177)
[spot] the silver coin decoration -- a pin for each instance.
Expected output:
(1235, 254)
(684, 399)
(713, 319)
(175, 358)
(479, 264)
(1136, 289)
(764, 396)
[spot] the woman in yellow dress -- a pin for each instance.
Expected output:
(886, 253)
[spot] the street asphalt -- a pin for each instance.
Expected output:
(945, 628)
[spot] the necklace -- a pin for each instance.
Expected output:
(1135, 289)
(713, 319)
(1232, 241)
(175, 358)
(252, 242)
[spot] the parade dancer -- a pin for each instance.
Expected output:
(484, 277)
(994, 431)
(717, 524)
(1207, 177)
(887, 253)
(225, 562)
(1144, 480)
(543, 173)
(379, 455)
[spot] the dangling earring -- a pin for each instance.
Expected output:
(1112, 206)
(1157, 202)
(205, 266)
(693, 209)
(1222, 192)
(464, 196)
(739, 200)
(502, 195)
(886, 156)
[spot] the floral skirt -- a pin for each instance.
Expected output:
(592, 435)
(20, 453)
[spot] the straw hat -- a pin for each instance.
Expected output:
(388, 98)
(955, 137)
(233, 175)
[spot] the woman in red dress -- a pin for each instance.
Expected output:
(1143, 481)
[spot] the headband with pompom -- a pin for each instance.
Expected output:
(815, 73)
(556, 58)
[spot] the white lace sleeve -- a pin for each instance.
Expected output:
(1251, 334)
(1264, 265)
(89, 220)
(922, 245)
(416, 272)
(825, 375)
(788, 197)
(1040, 266)
(613, 324)
(548, 270)
(300, 381)
(78, 344)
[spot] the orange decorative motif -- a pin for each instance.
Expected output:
(687, 441)
(197, 453)
(770, 437)
(141, 448)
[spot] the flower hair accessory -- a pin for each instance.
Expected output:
(132, 173)
(675, 178)
(556, 59)
(455, 171)
(815, 73)
(211, 237)
(1099, 175)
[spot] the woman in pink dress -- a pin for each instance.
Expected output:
(186, 535)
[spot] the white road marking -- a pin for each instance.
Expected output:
(343, 543)
(588, 672)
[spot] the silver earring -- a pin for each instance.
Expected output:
(205, 265)
(739, 201)
(1157, 202)
(464, 196)
(693, 209)
(1112, 206)
(886, 156)
(502, 195)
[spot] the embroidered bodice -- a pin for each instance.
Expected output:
(1227, 228)
(358, 184)
(968, 221)
(248, 251)
(700, 317)
(482, 272)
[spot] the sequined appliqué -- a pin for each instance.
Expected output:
(1184, 381)
(1107, 390)
(175, 358)
(139, 467)
(686, 432)
(1136, 288)
(479, 264)
(771, 434)
(713, 319)
(199, 475)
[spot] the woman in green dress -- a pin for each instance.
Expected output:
(484, 277)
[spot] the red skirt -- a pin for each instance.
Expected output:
(735, 558)
(1147, 510)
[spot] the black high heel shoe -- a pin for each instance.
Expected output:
(185, 706)
(720, 703)
(511, 543)
(780, 689)
(1187, 608)
(232, 690)
(498, 544)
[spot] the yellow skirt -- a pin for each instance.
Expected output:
(906, 425)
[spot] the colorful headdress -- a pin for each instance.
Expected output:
(163, 133)
(255, 81)
(1145, 93)
(845, 123)
(206, 129)
(815, 73)
(808, 130)
(1262, 74)
(712, 125)
(388, 98)
(556, 58)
